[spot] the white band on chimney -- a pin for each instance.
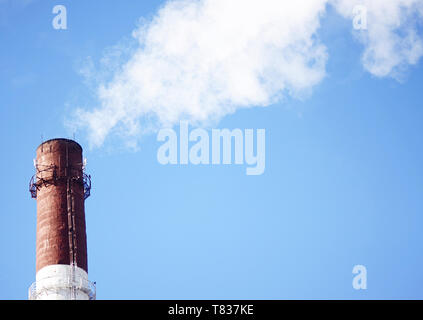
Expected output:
(62, 282)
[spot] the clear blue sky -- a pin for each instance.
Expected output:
(343, 183)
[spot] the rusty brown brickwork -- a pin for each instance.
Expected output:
(60, 205)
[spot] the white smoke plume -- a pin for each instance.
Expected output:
(200, 60)
(391, 41)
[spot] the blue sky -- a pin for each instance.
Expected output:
(342, 186)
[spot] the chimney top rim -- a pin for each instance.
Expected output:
(60, 139)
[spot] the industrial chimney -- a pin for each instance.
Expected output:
(61, 187)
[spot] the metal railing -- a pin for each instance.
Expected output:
(34, 184)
